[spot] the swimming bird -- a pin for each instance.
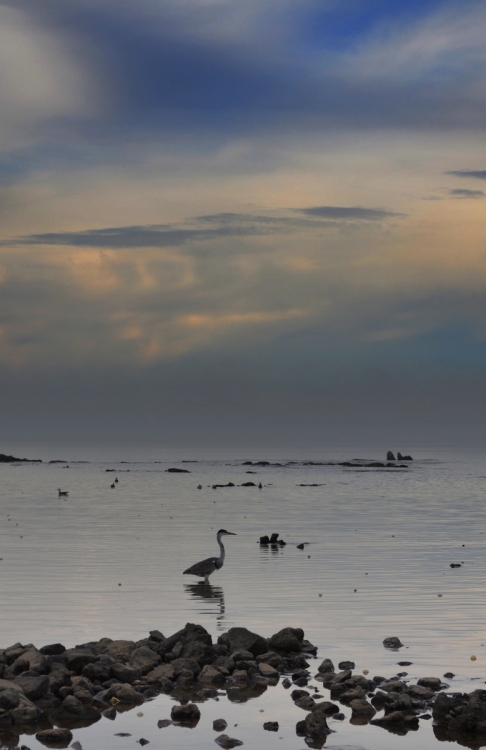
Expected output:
(113, 486)
(62, 493)
(206, 567)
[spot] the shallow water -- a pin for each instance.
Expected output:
(391, 535)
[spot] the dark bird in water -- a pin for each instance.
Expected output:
(113, 486)
(199, 486)
(206, 567)
(62, 493)
(116, 480)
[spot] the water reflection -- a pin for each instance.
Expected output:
(203, 592)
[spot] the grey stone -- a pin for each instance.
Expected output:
(346, 665)
(144, 659)
(361, 707)
(326, 666)
(392, 642)
(242, 638)
(124, 673)
(57, 737)
(120, 650)
(268, 671)
(34, 686)
(53, 649)
(219, 725)
(210, 676)
(434, 683)
(77, 658)
(9, 699)
(126, 693)
(227, 742)
(286, 640)
(271, 726)
(189, 713)
(160, 673)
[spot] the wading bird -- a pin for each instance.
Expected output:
(206, 567)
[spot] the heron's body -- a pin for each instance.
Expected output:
(206, 567)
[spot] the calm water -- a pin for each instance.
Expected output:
(389, 535)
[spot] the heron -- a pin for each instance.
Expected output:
(206, 567)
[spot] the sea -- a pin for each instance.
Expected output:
(108, 561)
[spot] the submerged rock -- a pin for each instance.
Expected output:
(55, 737)
(227, 742)
(392, 642)
(188, 714)
(219, 725)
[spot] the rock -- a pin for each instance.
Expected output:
(397, 718)
(264, 540)
(342, 676)
(227, 742)
(449, 675)
(178, 471)
(240, 675)
(420, 692)
(392, 642)
(179, 665)
(268, 671)
(242, 638)
(348, 696)
(36, 660)
(362, 708)
(125, 693)
(77, 658)
(99, 672)
(9, 699)
(84, 710)
(55, 737)
(144, 659)
(156, 635)
(286, 640)
(219, 725)
(326, 708)
(34, 686)
(185, 678)
(461, 712)
(306, 703)
(390, 456)
(316, 722)
(163, 723)
(210, 676)
(271, 726)
(124, 673)
(393, 686)
(248, 484)
(54, 649)
(434, 683)
(345, 665)
(142, 741)
(188, 714)
(120, 650)
(25, 713)
(326, 666)
(160, 673)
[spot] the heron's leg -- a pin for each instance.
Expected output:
(206, 579)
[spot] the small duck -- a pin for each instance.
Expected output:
(62, 493)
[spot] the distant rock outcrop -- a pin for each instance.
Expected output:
(4, 459)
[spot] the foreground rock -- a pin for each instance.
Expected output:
(461, 712)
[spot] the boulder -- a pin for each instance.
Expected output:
(268, 671)
(125, 694)
(144, 659)
(120, 650)
(434, 683)
(286, 640)
(210, 676)
(271, 726)
(306, 703)
(53, 649)
(86, 711)
(461, 712)
(316, 722)
(77, 658)
(392, 642)
(124, 673)
(55, 737)
(188, 714)
(242, 638)
(179, 665)
(397, 719)
(26, 712)
(219, 725)
(390, 456)
(342, 676)
(34, 686)
(160, 673)
(345, 665)
(361, 708)
(227, 742)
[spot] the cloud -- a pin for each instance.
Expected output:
(230, 225)
(463, 193)
(353, 212)
(478, 174)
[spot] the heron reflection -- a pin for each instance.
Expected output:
(204, 592)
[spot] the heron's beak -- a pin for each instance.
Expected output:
(230, 533)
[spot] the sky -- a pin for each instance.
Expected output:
(240, 223)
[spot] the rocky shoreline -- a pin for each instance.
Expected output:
(52, 690)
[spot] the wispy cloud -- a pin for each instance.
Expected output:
(226, 225)
(478, 174)
(464, 193)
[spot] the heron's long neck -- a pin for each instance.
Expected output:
(221, 547)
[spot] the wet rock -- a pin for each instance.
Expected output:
(178, 471)
(420, 691)
(298, 694)
(344, 665)
(84, 710)
(404, 663)
(393, 686)
(124, 673)
(380, 700)
(390, 456)
(9, 699)
(326, 666)
(227, 742)
(315, 722)
(393, 642)
(99, 672)
(240, 675)
(55, 737)
(397, 719)
(242, 638)
(125, 693)
(361, 708)
(268, 671)
(25, 713)
(348, 696)
(286, 640)
(160, 674)
(273, 659)
(179, 665)
(306, 703)
(34, 686)
(342, 676)
(211, 676)
(271, 726)
(219, 725)
(144, 659)
(461, 712)
(449, 675)
(188, 714)
(163, 723)
(286, 683)
(434, 683)
(120, 650)
(77, 658)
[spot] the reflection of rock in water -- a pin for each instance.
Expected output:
(273, 548)
(204, 591)
(245, 693)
